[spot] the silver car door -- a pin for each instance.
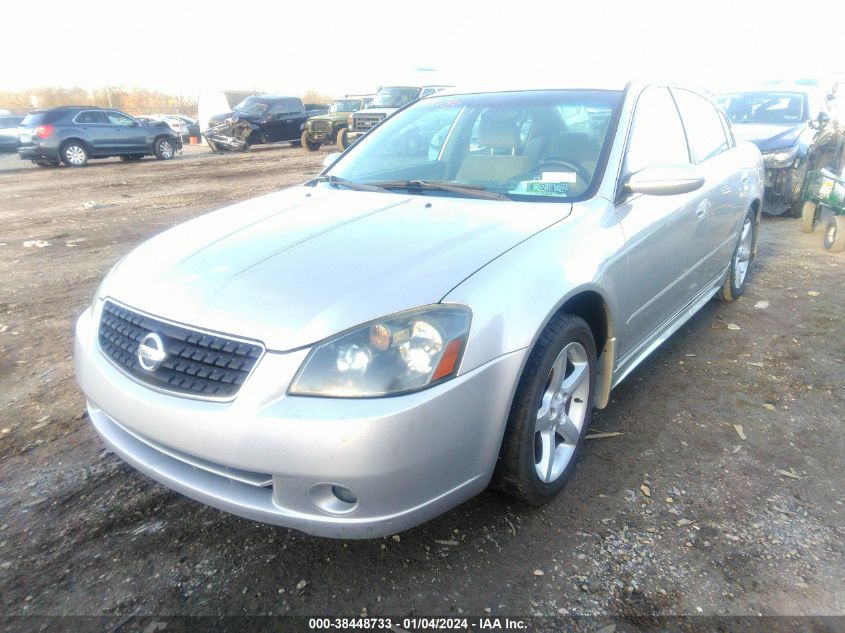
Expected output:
(712, 149)
(666, 236)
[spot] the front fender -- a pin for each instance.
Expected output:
(514, 296)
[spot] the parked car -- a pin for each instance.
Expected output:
(356, 355)
(74, 134)
(791, 127)
(388, 100)
(9, 132)
(271, 119)
(324, 128)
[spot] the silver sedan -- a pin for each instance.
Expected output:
(440, 309)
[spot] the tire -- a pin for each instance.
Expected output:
(548, 419)
(808, 216)
(74, 154)
(342, 143)
(834, 234)
(308, 144)
(734, 284)
(164, 149)
(131, 157)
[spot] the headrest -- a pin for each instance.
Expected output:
(496, 132)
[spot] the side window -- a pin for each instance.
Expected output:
(278, 107)
(294, 106)
(118, 118)
(91, 117)
(704, 126)
(657, 135)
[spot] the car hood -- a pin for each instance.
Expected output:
(769, 137)
(295, 267)
(334, 117)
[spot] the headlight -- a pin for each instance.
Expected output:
(398, 354)
(781, 157)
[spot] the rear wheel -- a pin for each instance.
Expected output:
(74, 154)
(164, 149)
(834, 234)
(307, 143)
(550, 413)
(734, 284)
(342, 142)
(808, 216)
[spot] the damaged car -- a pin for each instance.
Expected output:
(792, 128)
(260, 119)
(435, 312)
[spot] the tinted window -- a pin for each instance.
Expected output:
(703, 125)
(40, 118)
(91, 116)
(657, 135)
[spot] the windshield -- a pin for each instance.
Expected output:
(393, 97)
(547, 145)
(254, 106)
(345, 105)
(771, 108)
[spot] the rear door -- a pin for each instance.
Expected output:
(94, 128)
(666, 236)
(714, 151)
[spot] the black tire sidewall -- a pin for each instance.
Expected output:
(532, 383)
(737, 292)
(157, 149)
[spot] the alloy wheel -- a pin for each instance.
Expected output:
(742, 258)
(75, 155)
(166, 149)
(562, 412)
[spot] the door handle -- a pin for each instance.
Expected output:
(701, 209)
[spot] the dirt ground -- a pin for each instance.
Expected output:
(722, 495)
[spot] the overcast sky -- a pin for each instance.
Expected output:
(186, 47)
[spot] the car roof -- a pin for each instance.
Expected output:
(527, 86)
(274, 96)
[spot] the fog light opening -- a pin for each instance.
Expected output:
(344, 494)
(333, 498)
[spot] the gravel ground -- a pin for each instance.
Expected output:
(722, 495)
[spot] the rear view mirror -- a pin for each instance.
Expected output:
(665, 180)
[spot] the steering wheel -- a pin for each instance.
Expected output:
(568, 165)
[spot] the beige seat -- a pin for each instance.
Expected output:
(495, 136)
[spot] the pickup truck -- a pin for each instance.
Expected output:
(273, 118)
(388, 100)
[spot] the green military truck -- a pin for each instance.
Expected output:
(327, 127)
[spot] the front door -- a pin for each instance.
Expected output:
(666, 236)
(129, 136)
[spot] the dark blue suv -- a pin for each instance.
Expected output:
(73, 134)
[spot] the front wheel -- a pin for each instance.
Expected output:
(164, 149)
(834, 234)
(808, 216)
(734, 284)
(74, 154)
(342, 140)
(307, 143)
(550, 412)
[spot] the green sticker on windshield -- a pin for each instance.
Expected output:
(538, 186)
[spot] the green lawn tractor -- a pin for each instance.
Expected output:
(823, 188)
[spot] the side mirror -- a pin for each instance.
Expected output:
(331, 158)
(665, 180)
(823, 119)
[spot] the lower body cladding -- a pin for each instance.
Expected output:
(341, 468)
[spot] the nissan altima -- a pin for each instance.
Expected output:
(440, 309)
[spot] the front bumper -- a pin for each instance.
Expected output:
(273, 457)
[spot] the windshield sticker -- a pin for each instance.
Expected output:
(539, 186)
(559, 176)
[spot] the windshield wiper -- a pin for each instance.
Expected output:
(473, 191)
(335, 181)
